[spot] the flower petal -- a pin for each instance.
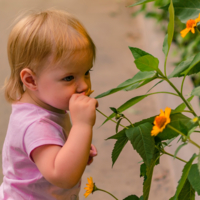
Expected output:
(197, 19)
(185, 32)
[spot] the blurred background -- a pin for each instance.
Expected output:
(113, 28)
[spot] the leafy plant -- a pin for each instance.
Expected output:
(151, 136)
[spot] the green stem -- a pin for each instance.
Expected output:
(128, 120)
(107, 193)
(181, 96)
(169, 154)
(111, 119)
(182, 84)
(164, 93)
(189, 140)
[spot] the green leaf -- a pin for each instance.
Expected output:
(195, 61)
(141, 2)
(117, 126)
(141, 198)
(180, 68)
(182, 106)
(143, 171)
(179, 147)
(147, 182)
(142, 141)
(187, 192)
(133, 82)
(140, 76)
(114, 110)
(118, 135)
(175, 122)
(119, 145)
(147, 63)
(126, 105)
(199, 161)
(111, 91)
(184, 176)
(170, 25)
(132, 197)
(186, 9)
(137, 53)
(165, 45)
(196, 91)
(194, 177)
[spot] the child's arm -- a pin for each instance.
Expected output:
(64, 166)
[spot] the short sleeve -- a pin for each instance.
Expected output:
(42, 132)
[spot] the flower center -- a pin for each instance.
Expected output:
(160, 121)
(191, 23)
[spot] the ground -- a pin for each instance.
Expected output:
(113, 29)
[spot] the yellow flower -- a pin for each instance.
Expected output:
(161, 121)
(190, 25)
(90, 187)
(195, 119)
(89, 92)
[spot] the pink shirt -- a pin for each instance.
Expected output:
(30, 127)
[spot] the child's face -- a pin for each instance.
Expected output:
(57, 82)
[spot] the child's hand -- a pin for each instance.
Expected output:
(83, 109)
(93, 153)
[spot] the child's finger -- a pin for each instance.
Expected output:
(93, 151)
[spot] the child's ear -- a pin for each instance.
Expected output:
(28, 78)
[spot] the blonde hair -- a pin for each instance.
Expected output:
(37, 36)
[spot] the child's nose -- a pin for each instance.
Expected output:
(82, 87)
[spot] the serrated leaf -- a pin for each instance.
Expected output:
(186, 9)
(147, 182)
(147, 63)
(119, 145)
(118, 135)
(142, 141)
(141, 2)
(184, 176)
(175, 122)
(143, 171)
(194, 178)
(137, 53)
(187, 192)
(132, 197)
(126, 105)
(194, 62)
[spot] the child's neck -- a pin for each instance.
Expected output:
(29, 98)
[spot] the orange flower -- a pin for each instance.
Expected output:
(90, 187)
(161, 121)
(89, 92)
(190, 25)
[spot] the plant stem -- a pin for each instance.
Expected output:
(169, 154)
(180, 95)
(107, 193)
(182, 85)
(111, 119)
(128, 120)
(189, 140)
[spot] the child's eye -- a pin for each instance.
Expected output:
(68, 78)
(87, 73)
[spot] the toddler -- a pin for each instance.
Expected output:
(44, 156)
